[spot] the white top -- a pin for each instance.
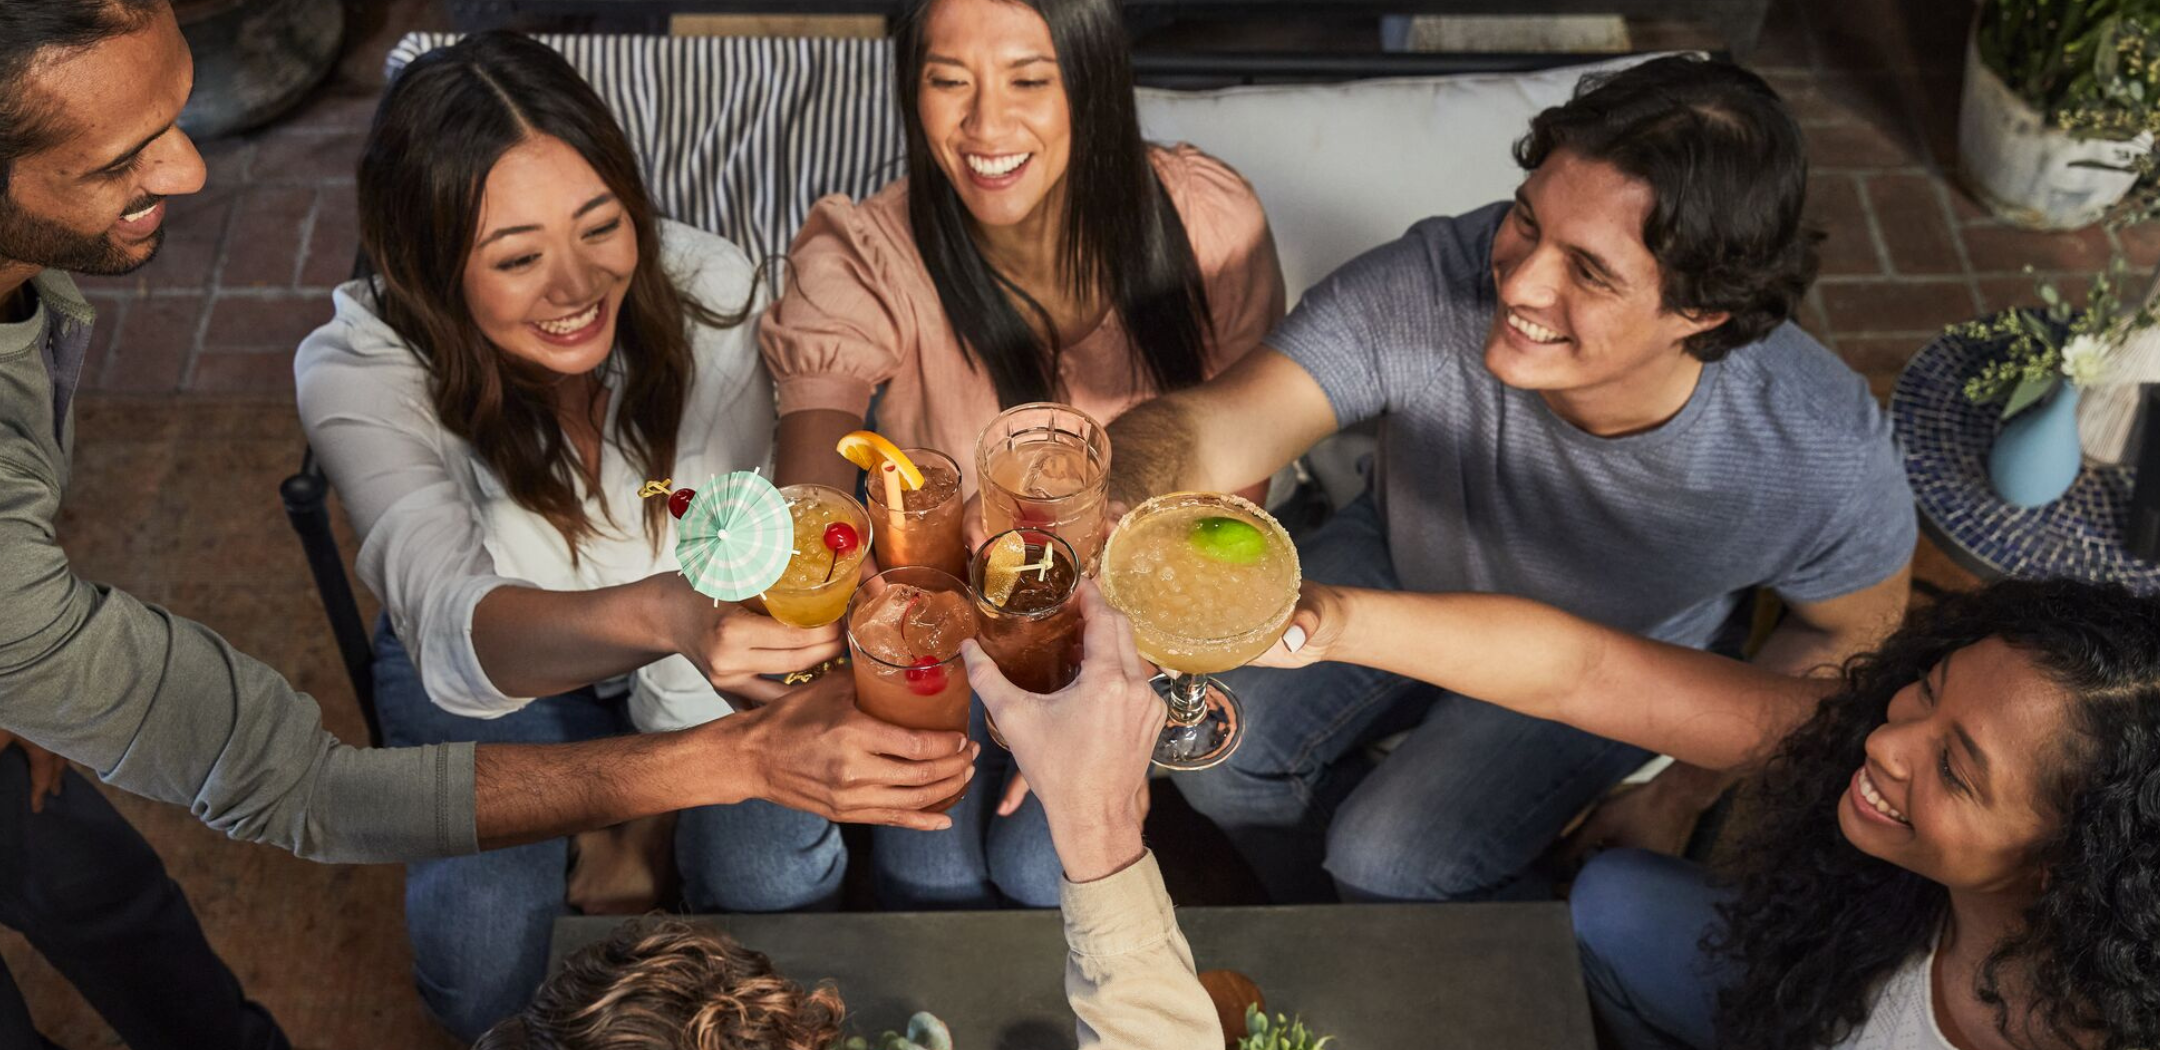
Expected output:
(1903, 1017)
(438, 530)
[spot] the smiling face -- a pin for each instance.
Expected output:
(1581, 308)
(551, 260)
(1952, 785)
(93, 202)
(993, 109)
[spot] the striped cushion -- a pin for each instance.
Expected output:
(739, 136)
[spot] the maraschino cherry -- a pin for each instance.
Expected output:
(926, 676)
(678, 501)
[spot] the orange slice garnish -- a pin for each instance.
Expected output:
(1001, 567)
(867, 449)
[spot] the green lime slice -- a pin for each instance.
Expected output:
(1228, 540)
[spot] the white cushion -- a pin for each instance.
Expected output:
(1342, 168)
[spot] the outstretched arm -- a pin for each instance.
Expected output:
(1128, 971)
(1229, 432)
(1700, 708)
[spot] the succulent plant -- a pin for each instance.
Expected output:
(924, 1032)
(1283, 1033)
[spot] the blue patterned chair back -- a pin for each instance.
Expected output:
(739, 136)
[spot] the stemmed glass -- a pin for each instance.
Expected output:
(1209, 581)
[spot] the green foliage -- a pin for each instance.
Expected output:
(2089, 64)
(2028, 362)
(924, 1032)
(1281, 1034)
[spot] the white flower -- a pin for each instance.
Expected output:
(2084, 360)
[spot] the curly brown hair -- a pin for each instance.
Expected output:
(661, 983)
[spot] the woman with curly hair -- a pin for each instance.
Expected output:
(1955, 843)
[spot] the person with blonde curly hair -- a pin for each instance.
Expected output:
(668, 984)
(661, 983)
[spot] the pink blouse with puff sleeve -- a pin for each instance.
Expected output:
(860, 311)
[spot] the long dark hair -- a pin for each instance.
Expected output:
(1817, 924)
(1122, 238)
(440, 129)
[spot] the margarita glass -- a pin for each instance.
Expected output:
(831, 536)
(1046, 466)
(1209, 581)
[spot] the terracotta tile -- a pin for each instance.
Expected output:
(1860, 145)
(1811, 320)
(306, 155)
(2007, 249)
(1965, 205)
(1784, 41)
(338, 105)
(333, 240)
(1879, 356)
(115, 521)
(2140, 244)
(1931, 565)
(150, 350)
(2002, 293)
(243, 373)
(1842, 97)
(1935, 99)
(242, 323)
(232, 525)
(226, 161)
(254, 418)
(264, 248)
(1895, 305)
(1914, 226)
(181, 264)
(101, 418)
(1835, 206)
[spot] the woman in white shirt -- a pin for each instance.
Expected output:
(533, 345)
(1953, 843)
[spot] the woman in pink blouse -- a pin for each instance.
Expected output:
(1038, 250)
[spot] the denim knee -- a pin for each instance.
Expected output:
(756, 856)
(1380, 853)
(1611, 902)
(479, 928)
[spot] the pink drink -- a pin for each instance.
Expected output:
(905, 627)
(1046, 466)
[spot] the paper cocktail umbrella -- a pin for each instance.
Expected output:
(735, 536)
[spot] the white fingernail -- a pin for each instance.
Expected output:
(1294, 639)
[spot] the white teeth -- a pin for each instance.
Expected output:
(1875, 799)
(139, 215)
(567, 325)
(1537, 332)
(993, 167)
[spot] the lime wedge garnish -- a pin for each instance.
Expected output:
(1228, 540)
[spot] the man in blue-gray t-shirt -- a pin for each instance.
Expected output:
(1591, 396)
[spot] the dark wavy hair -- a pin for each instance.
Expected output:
(1727, 169)
(662, 983)
(1817, 924)
(31, 28)
(1122, 237)
(441, 127)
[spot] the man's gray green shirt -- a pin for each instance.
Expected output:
(160, 705)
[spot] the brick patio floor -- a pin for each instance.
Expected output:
(189, 426)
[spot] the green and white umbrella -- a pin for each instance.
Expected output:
(736, 537)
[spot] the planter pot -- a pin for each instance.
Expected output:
(2107, 411)
(255, 58)
(2036, 457)
(2023, 169)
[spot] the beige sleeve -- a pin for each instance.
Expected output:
(1236, 253)
(1128, 971)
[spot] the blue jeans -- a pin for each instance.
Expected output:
(1462, 809)
(983, 860)
(480, 924)
(1640, 919)
(79, 882)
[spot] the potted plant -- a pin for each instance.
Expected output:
(2044, 357)
(1283, 1033)
(2061, 101)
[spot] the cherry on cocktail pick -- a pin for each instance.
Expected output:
(840, 538)
(926, 676)
(678, 501)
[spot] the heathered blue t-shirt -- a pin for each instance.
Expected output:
(1780, 471)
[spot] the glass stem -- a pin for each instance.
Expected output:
(1188, 699)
